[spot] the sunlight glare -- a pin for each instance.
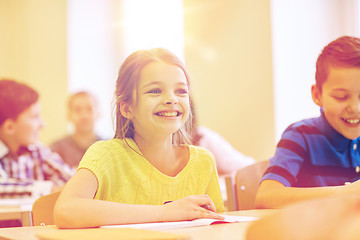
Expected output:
(155, 23)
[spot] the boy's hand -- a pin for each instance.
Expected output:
(190, 208)
(353, 187)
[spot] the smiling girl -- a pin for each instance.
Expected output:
(149, 162)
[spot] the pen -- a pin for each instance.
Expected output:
(206, 206)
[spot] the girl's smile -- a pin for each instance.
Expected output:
(168, 114)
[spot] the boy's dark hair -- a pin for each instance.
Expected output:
(343, 52)
(15, 97)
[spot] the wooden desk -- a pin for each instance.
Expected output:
(226, 231)
(16, 213)
(13, 209)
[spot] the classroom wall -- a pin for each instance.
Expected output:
(228, 55)
(217, 40)
(297, 40)
(228, 52)
(95, 52)
(33, 50)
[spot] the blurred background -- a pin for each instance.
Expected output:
(252, 62)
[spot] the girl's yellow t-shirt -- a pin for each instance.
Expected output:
(125, 176)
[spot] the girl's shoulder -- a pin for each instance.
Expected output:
(199, 149)
(106, 143)
(200, 153)
(107, 146)
(106, 151)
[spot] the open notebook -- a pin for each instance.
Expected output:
(184, 224)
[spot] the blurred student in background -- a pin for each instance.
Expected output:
(22, 156)
(82, 113)
(228, 159)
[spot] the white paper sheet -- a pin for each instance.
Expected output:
(184, 224)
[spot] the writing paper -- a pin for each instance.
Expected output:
(184, 224)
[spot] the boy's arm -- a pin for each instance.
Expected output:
(273, 194)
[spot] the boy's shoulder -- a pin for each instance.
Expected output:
(304, 129)
(307, 126)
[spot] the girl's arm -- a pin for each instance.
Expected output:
(76, 208)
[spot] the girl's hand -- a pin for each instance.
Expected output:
(190, 208)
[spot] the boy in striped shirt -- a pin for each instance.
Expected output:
(320, 157)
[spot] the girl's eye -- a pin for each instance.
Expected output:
(154, 91)
(182, 91)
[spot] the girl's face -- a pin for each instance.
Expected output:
(161, 102)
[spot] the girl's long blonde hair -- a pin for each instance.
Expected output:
(128, 80)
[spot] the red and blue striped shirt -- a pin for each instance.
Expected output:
(311, 153)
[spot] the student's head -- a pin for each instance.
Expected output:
(337, 88)
(343, 52)
(83, 111)
(152, 93)
(20, 120)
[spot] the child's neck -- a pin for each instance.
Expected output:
(165, 157)
(12, 146)
(154, 146)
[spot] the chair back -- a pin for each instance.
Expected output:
(242, 190)
(247, 181)
(43, 209)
